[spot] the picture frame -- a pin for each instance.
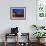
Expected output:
(18, 13)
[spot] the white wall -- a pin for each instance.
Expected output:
(24, 25)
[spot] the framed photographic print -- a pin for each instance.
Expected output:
(18, 13)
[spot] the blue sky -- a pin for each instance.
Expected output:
(18, 11)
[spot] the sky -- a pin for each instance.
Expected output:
(18, 11)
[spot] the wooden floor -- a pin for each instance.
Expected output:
(13, 44)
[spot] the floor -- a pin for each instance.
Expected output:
(13, 44)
